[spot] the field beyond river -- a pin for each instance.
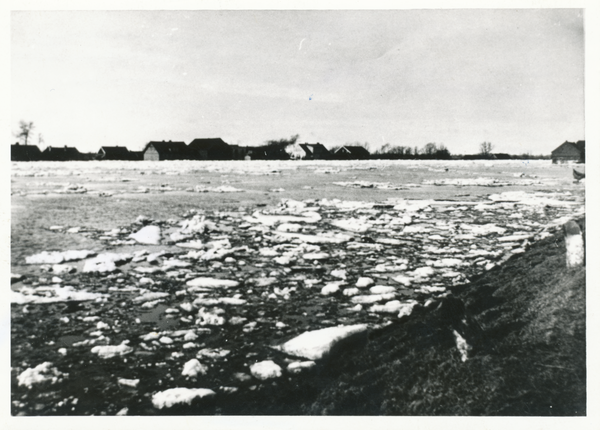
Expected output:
(295, 287)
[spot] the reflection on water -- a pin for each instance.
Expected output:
(69, 340)
(158, 317)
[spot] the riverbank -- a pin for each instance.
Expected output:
(524, 324)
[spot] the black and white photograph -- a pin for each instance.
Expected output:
(297, 212)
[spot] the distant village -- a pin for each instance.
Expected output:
(218, 149)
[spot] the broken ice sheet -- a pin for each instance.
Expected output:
(52, 294)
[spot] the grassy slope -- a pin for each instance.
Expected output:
(527, 324)
(525, 320)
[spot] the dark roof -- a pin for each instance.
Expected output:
(578, 146)
(119, 152)
(169, 149)
(207, 144)
(62, 149)
(61, 153)
(353, 151)
(25, 152)
(213, 149)
(314, 150)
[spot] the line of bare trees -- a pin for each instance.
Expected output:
(431, 151)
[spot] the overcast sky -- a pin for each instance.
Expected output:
(406, 77)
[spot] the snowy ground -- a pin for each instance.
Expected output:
(206, 280)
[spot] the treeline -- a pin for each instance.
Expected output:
(434, 151)
(431, 151)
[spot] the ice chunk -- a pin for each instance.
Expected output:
(364, 282)
(149, 234)
(180, 395)
(56, 257)
(300, 366)
(265, 370)
(133, 383)
(317, 344)
(204, 282)
(316, 256)
(355, 225)
(330, 288)
(39, 374)
(193, 368)
(109, 351)
(51, 295)
(382, 289)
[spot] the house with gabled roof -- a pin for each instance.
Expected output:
(352, 153)
(315, 151)
(20, 152)
(114, 153)
(62, 153)
(210, 149)
(569, 152)
(158, 151)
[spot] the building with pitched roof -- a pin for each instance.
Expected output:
(158, 151)
(315, 151)
(62, 153)
(352, 153)
(210, 149)
(569, 152)
(114, 153)
(20, 152)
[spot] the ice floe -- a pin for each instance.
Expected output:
(110, 351)
(265, 370)
(107, 262)
(180, 395)
(317, 344)
(205, 282)
(56, 257)
(150, 235)
(193, 367)
(300, 366)
(52, 294)
(43, 372)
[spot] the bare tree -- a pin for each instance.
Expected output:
(25, 130)
(388, 149)
(384, 149)
(430, 149)
(485, 148)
